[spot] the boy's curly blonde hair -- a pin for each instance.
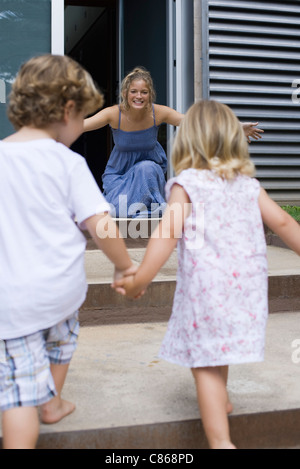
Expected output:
(44, 85)
(211, 137)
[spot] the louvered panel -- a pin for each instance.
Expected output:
(254, 58)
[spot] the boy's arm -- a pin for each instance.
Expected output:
(161, 244)
(279, 221)
(106, 235)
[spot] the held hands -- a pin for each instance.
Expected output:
(126, 283)
(251, 130)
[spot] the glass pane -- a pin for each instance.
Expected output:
(25, 31)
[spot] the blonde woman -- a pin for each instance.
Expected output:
(134, 178)
(215, 212)
(44, 186)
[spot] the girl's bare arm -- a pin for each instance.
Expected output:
(279, 221)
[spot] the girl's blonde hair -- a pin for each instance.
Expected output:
(138, 73)
(211, 137)
(44, 85)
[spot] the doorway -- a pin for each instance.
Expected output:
(110, 37)
(91, 32)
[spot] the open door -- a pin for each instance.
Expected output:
(90, 34)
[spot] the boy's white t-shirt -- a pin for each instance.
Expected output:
(44, 188)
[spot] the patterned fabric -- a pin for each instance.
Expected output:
(135, 173)
(221, 301)
(25, 377)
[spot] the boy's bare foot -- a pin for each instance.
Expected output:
(55, 410)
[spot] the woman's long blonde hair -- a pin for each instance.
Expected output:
(211, 137)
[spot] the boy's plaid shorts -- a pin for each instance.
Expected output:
(25, 376)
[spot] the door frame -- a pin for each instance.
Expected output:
(57, 27)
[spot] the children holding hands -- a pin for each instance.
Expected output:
(214, 216)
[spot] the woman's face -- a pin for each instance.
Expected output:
(138, 95)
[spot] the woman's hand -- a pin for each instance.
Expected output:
(252, 131)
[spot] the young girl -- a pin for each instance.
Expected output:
(46, 193)
(137, 165)
(216, 210)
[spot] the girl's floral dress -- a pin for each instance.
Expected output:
(220, 306)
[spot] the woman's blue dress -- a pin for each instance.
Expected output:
(134, 178)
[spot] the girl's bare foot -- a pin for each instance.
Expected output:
(55, 410)
(224, 445)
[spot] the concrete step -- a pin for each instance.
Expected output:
(105, 303)
(128, 398)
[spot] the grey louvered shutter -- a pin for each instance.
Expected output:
(253, 62)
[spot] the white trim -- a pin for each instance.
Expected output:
(57, 27)
(171, 78)
(2, 92)
(170, 54)
(120, 44)
(179, 57)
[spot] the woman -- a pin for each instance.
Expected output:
(134, 178)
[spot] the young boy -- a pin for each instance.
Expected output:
(45, 188)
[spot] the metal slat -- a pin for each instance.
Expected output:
(251, 78)
(268, 67)
(256, 30)
(250, 18)
(283, 91)
(283, 185)
(261, 173)
(246, 52)
(240, 4)
(263, 161)
(248, 113)
(219, 39)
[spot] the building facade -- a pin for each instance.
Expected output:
(243, 53)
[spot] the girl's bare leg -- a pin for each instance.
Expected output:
(224, 373)
(57, 408)
(20, 428)
(213, 404)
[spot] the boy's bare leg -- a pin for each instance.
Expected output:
(213, 401)
(57, 408)
(20, 428)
